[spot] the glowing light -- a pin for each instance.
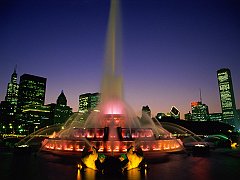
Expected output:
(101, 148)
(100, 133)
(234, 145)
(113, 108)
(90, 134)
(79, 173)
(199, 145)
(156, 148)
(53, 135)
(59, 147)
(24, 145)
(116, 149)
(79, 166)
(145, 148)
(78, 148)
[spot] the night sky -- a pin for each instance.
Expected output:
(170, 48)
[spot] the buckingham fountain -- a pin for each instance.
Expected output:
(112, 128)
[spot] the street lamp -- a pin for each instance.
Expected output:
(4, 128)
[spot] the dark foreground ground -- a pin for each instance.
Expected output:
(219, 164)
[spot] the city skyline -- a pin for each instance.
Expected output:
(167, 54)
(199, 101)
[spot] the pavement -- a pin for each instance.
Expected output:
(234, 152)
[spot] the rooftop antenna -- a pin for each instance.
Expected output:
(200, 94)
(15, 68)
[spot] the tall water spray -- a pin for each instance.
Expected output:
(112, 100)
(112, 85)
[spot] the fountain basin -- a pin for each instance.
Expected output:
(116, 147)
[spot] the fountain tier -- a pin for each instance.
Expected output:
(113, 136)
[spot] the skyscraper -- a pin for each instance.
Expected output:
(174, 112)
(60, 111)
(227, 96)
(7, 117)
(200, 111)
(30, 106)
(12, 91)
(88, 101)
(146, 110)
(31, 91)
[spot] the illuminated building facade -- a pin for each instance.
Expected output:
(200, 111)
(215, 117)
(12, 91)
(227, 96)
(9, 106)
(88, 101)
(175, 112)
(35, 116)
(32, 90)
(7, 118)
(31, 97)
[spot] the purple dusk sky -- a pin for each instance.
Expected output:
(170, 48)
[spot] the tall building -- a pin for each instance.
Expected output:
(32, 90)
(60, 111)
(88, 101)
(12, 91)
(160, 115)
(215, 116)
(146, 110)
(188, 116)
(200, 111)
(227, 99)
(31, 95)
(9, 106)
(7, 117)
(35, 116)
(62, 100)
(174, 112)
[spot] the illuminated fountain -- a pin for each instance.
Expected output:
(112, 127)
(112, 134)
